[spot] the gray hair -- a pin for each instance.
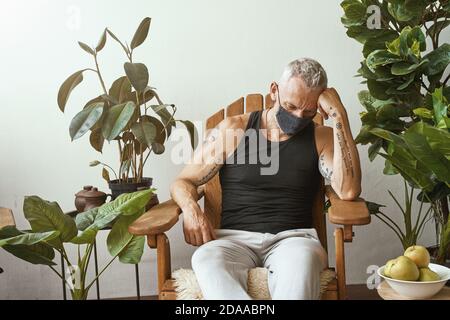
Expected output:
(309, 70)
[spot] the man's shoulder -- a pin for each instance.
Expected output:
(235, 122)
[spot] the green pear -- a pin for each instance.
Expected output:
(419, 255)
(387, 268)
(428, 275)
(403, 268)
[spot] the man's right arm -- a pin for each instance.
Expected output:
(206, 161)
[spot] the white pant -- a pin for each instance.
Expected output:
(294, 259)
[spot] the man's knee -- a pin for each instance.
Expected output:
(207, 255)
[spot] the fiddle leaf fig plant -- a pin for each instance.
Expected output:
(52, 230)
(122, 113)
(406, 117)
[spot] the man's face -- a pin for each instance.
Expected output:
(296, 97)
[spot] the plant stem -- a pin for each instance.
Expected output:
(446, 80)
(109, 168)
(93, 281)
(398, 204)
(120, 160)
(386, 223)
(149, 151)
(54, 270)
(100, 75)
(393, 223)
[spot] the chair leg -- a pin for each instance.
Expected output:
(340, 263)
(161, 242)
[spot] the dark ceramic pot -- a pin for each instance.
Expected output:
(119, 188)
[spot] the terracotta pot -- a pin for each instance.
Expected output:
(88, 198)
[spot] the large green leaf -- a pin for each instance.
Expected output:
(141, 33)
(36, 254)
(133, 251)
(39, 253)
(66, 88)
(86, 48)
(402, 68)
(144, 131)
(166, 117)
(87, 236)
(391, 111)
(137, 73)
(378, 89)
(193, 135)
(127, 203)
(410, 172)
(96, 139)
(92, 219)
(440, 106)
(381, 58)
(366, 100)
(117, 118)
(101, 42)
(120, 89)
(85, 120)
(374, 148)
(106, 215)
(160, 131)
(29, 238)
(419, 146)
(47, 216)
(439, 60)
(400, 12)
(355, 12)
(378, 42)
(119, 237)
(438, 139)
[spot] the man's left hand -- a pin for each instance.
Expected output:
(329, 103)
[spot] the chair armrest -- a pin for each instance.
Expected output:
(6, 218)
(160, 218)
(346, 212)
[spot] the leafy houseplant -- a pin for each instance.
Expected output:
(413, 226)
(406, 120)
(122, 114)
(52, 230)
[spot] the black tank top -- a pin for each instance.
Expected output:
(277, 200)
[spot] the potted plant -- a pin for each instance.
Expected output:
(406, 117)
(413, 225)
(52, 230)
(122, 114)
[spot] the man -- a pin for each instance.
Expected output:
(267, 218)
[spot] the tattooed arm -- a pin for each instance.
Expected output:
(206, 161)
(339, 159)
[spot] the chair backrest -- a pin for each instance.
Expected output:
(213, 192)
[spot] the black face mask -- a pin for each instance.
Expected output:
(289, 123)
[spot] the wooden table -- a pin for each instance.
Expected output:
(387, 293)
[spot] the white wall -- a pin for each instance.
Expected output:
(201, 55)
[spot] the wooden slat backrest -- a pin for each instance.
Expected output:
(6, 218)
(213, 191)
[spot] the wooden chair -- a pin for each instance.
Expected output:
(159, 219)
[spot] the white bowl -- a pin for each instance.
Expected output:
(419, 289)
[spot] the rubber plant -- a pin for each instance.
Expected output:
(52, 230)
(122, 112)
(406, 116)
